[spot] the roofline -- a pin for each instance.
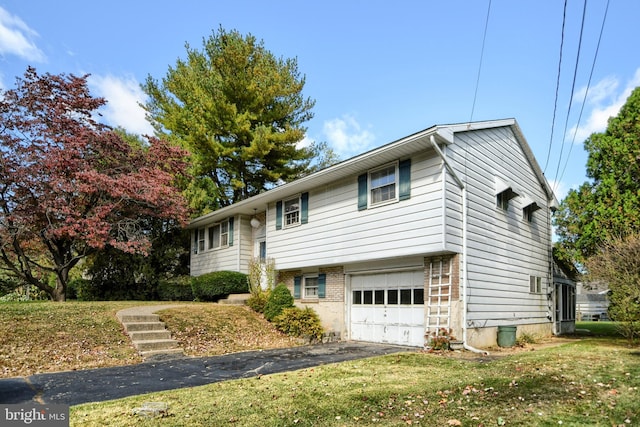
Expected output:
(443, 133)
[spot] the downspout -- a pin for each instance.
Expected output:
(463, 189)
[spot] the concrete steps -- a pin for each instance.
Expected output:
(148, 334)
(235, 299)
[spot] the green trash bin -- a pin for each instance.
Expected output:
(507, 336)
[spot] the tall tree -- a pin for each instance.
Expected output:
(607, 207)
(240, 111)
(70, 185)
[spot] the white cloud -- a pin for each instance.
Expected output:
(16, 38)
(606, 100)
(347, 137)
(124, 97)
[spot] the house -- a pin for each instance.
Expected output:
(592, 301)
(447, 228)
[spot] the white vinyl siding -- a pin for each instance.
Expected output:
(339, 233)
(234, 257)
(503, 250)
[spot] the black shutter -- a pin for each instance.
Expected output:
(362, 192)
(297, 283)
(278, 215)
(404, 170)
(304, 208)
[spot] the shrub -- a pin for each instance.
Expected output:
(257, 301)
(213, 286)
(440, 339)
(279, 299)
(14, 297)
(77, 289)
(175, 289)
(299, 322)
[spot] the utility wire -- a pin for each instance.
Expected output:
(555, 103)
(573, 85)
(484, 37)
(584, 100)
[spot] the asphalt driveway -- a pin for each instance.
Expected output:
(95, 385)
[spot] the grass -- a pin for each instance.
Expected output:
(602, 329)
(42, 336)
(592, 382)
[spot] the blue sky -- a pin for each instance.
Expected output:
(378, 70)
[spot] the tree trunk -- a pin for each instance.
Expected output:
(59, 293)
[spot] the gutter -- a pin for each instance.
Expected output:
(463, 189)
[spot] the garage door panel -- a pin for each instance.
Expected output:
(388, 308)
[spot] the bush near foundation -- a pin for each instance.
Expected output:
(175, 289)
(279, 299)
(299, 322)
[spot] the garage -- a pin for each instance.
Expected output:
(388, 308)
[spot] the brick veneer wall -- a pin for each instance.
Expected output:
(454, 261)
(334, 290)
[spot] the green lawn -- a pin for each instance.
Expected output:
(588, 382)
(601, 329)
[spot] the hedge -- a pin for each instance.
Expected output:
(216, 285)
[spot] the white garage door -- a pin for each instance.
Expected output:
(388, 308)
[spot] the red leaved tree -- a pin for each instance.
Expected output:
(70, 185)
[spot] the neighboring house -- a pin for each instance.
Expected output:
(592, 302)
(447, 228)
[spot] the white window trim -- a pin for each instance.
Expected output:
(284, 211)
(303, 285)
(396, 184)
(200, 238)
(220, 235)
(535, 285)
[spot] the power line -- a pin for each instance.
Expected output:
(584, 100)
(484, 37)
(555, 103)
(573, 85)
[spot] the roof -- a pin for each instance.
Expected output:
(401, 148)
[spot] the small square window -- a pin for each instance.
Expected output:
(503, 197)
(357, 297)
(535, 284)
(392, 296)
(527, 211)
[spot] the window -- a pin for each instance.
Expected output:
(504, 193)
(535, 284)
(528, 210)
(502, 199)
(383, 184)
(292, 212)
(198, 241)
(219, 235)
(310, 287)
(394, 296)
(386, 184)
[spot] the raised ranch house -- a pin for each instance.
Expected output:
(447, 228)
